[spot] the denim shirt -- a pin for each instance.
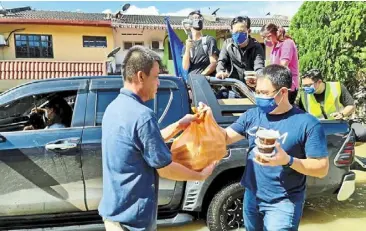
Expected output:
(55, 126)
(132, 150)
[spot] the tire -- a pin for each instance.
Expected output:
(225, 211)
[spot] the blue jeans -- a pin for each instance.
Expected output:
(259, 215)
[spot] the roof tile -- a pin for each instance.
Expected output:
(133, 21)
(176, 21)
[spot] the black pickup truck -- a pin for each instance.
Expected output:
(53, 177)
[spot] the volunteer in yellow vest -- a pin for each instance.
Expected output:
(325, 100)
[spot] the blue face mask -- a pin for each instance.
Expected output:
(240, 37)
(266, 104)
(309, 90)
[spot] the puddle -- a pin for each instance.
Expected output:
(323, 213)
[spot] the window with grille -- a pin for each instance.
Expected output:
(94, 41)
(33, 46)
(128, 45)
(155, 45)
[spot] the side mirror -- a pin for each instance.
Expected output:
(2, 139)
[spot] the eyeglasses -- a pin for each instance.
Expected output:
(308, 85)
(268, 94)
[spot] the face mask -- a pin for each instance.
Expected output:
(197, 24)
(46, 114)
(268, 43)
(266, 104)
(309, 90)
(240, 37)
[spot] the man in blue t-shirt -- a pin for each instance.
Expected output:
(275, 190)
(134, 153)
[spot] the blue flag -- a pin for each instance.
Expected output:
(176, 47)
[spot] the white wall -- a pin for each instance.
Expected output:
(136, 35)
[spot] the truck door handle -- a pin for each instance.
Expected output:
(62, 145)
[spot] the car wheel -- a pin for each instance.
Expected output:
(226, 209)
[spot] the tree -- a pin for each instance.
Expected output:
(331, 36)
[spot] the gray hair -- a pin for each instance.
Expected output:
(138, 58)
(280, 76)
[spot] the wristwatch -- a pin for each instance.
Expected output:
(290, 162)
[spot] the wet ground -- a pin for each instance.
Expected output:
(320, 214)
(324, 213)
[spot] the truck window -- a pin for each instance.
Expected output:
(17, 114)
(16, 107)
(166, 105)
(169, 106)
(104, 98)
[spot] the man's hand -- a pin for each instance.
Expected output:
(178, 172)
(186, 121)
(222, 75)
(206, 172)
(251, 82)
(38, 110)
(189, 118)
(189, 44)
(30, 127)
(337, 115)
(281, 158)
(203, 107)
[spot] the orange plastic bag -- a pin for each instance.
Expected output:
(201, 144)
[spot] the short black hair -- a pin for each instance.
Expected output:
(195, 12)
(313, 74)
(238, 19)
(280, 76)
(138, 58)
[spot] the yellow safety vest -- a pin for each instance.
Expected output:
(331, 101)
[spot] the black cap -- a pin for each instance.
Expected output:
(245, 19)
(195, 12)
(56, 102)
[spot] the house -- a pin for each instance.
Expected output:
(48, 44)
(150, 31)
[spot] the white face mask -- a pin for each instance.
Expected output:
(46, 114)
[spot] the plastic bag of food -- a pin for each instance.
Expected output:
(201, 144)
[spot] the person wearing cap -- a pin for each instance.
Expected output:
(200, 53)
(57, 112)
(325, 100)
(240, 53)
(284, 52)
